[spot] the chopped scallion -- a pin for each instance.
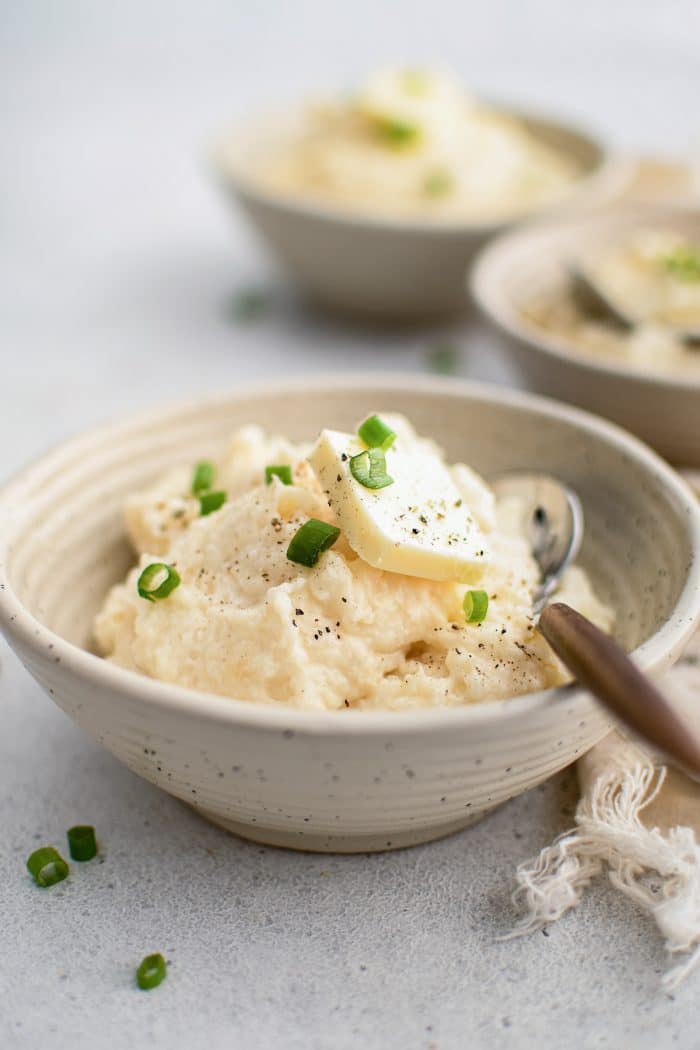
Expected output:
(311, 540)
(81, 842)
(283, 472)
(376, 433)
(203, 477)
(438, 183)
(369, 468)
(152, 970)
(157, 581)
(211, 501)
(475, 606)
(47, 866)
(397, 132)
(683, 262)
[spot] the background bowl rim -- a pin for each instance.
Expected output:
(485, 288)
(20, 626)
(613, 169)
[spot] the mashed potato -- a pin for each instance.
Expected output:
(247, 622)
(653, 278)
(411, 142)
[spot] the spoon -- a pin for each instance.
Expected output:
(552, 522)
(594, 298)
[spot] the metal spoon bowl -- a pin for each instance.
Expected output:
(553, 523)
(594, 298)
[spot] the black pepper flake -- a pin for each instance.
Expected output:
(298, 612)
(339, 477)
(415, 531)
(344, 600)
(343, 456)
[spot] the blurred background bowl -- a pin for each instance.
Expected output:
(661, 408)
(356, 780)
(390, 267)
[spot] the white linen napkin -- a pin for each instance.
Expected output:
(638, 822)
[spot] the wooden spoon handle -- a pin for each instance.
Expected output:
(599, 664)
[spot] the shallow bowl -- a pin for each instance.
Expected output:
(390, 267)
(352, 780)
(663, 409)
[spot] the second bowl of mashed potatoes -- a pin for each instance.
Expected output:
(375, 202)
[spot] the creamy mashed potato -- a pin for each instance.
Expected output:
(412, 142)
(653, 278)
(247, 622)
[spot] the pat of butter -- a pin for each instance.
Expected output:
(419, 526)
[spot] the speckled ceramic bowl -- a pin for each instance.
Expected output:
(386, 266)
(351, 780)
(661, 408)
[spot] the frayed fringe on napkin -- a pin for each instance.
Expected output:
(652, 857)
(660, 872)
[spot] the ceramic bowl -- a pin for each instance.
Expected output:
(353, 780)
(389, 267)
(663, 409)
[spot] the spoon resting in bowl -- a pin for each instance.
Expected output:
(595, 298)
(553, 524)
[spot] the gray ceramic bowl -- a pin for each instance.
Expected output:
(352, 780)
(390, 267)
(663, 409)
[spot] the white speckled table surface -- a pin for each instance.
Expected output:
(118, 266)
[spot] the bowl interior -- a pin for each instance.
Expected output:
(62, 543)
(521, 266)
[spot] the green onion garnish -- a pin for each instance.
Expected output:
(443, 359)
(438, 183)
(283, 472)
(249, 304)
(475, 606)
(376, 434)
(211, 501)
(152, 970)
(157, 580)
(311, 540)
(397, 132)
(369, 468)
(683, 262)
(203, 477)
(47, 866)
(81, 842)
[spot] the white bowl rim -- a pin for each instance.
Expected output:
(482, 279)
(612, 167)
(18, 623)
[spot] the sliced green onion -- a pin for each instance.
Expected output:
(443, 359)
(47, 866)
(81, 842)
(376, 434)
(152, 970)
(438, 183)
(157, 580)
(283, 472)
(397, 132)
(211, 501)
(249, 304)
(683, 262)
(475, 606)
(203, 477)
(311, 540)
(369, 468)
